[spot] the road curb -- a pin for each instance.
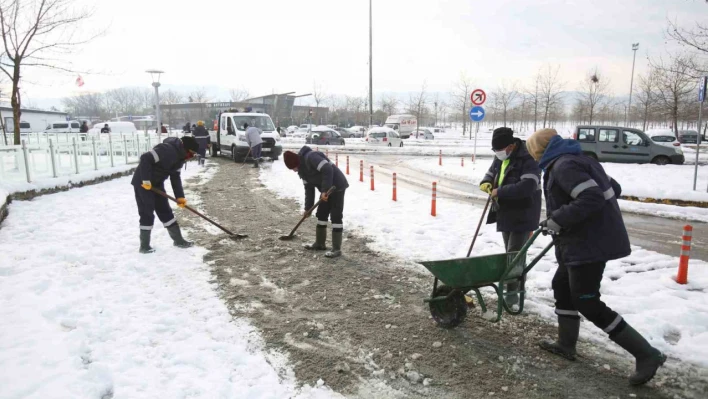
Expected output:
(666, 201)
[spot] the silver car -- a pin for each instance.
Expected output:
(624, 145)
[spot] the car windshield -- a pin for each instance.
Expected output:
(262, 122)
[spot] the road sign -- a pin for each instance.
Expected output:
(478, 97)
(477, 114)
(702, 89)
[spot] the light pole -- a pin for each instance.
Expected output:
(155, 74)
(371, 71)
(628, 114)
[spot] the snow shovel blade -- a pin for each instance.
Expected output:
(287, 237)
(235, 236)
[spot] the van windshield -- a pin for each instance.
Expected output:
(393, 126)
(262, 122)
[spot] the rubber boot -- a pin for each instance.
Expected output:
(648, 358)
(568, 330)
(145, 247)
(511, 299)
(320, 239)
(176, 236)
(336, 245)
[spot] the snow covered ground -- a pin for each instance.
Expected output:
(644, 181)
(673, 317)
(83, 315)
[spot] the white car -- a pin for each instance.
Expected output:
(384, 136)
(665, 137)
(425, 133)
(63, 127)
(290, 130)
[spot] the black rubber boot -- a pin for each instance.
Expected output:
(145, 247)
(255, 164)
(648, 358)
(176, 236)
(320, 239)
(336, 245)
(568, 330)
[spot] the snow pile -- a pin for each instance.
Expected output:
(640, 287)
(61, 181)
(85, 316)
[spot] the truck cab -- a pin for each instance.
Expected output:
(404, 125)
(230, 136)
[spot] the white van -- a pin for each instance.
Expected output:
(64, 127)
(404, 124)
(231, 137)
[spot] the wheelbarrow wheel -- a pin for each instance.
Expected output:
(450, 312)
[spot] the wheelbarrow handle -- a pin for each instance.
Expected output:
(527, 245)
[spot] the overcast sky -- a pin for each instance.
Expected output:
(285, 45)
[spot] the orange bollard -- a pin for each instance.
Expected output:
(462, 161)
(371, 168)
(327, 152)
(472, 158)
(394, 187)
(347, 164)
(433, 205)
(336, 159)
(682, 277)
(361, 171)
(440, 158)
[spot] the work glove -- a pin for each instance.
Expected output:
(146, 185)
(549, 226)
(486, 187)
(181, 202)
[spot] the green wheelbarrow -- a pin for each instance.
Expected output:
(460, 276)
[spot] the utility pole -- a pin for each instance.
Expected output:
(156, 84)
(628, 114)
(371, 70)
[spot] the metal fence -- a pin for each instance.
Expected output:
(47, 155)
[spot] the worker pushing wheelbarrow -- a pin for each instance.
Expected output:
(460, 276)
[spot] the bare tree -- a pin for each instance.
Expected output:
(199, 95)
(534, 98)
(503, 98)
(169, 97)
(550, 90)
(674, 84)
(33, 33)
(593, 92)
(695, 39)
(646, 96)
(388, 103)
(319, 95)
(238, 95)
(461, 99)
(417, 103)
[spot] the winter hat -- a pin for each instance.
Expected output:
(502, 138)
(190, 143)
(537, 143)
(292, 160)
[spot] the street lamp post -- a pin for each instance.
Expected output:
(628, 115)
(155, 74)
(371, 71)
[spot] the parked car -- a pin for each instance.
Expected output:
(425, 133)
(344, 132)
(305, 127)
(663, 137)
(322, 135)
(357, 131)
(688, 137)
(384, 136)
(624, 145)
(63, 127)
(290, 130)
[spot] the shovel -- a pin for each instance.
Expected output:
(232, 235)
(305, 216)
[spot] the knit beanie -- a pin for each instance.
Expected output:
(190, 143)
(502, 138)
(292, 160)
(537, 143)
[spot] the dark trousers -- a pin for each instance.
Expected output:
(256, 151)
(150, 203)
(513, 241)
(332, 209)
(577, 290)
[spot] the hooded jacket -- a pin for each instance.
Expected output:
(582, 200)
(253, 136)
(164, 160)
(518, 205)
(316, 170)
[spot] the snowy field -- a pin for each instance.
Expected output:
(644, 181)
(640, 287)
(84, 315)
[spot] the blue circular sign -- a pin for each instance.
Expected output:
(477, 114)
